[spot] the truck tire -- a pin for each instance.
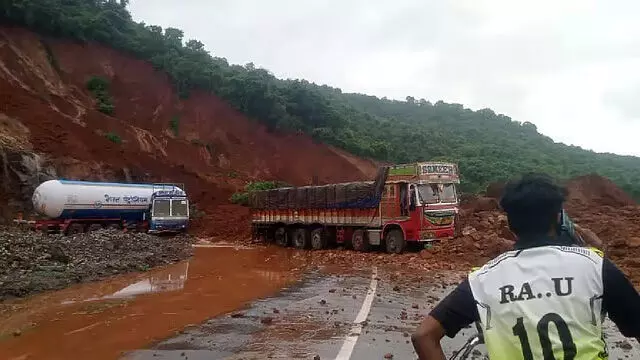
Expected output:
(318, 239)
(280, 236)
(359, 241)
(301, 239)
(394, 241)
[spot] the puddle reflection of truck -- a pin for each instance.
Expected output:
(73, 207)
(409, 203)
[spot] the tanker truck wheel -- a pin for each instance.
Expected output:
(359, 241)
(280, 236)
(318, 239)
(301, 239)
(394, 241)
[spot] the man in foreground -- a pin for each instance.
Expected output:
(543, 300)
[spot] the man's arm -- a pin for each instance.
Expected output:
(621, 300)
(456, 311)
(590, 237)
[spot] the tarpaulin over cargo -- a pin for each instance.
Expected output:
(354, 195)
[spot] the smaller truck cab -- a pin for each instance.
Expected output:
(169, 209)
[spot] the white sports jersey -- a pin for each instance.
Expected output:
(542, 303)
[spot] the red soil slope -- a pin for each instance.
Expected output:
(215, 152)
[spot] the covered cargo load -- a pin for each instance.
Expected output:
(353, 195)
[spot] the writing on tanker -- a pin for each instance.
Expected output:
(127, 199)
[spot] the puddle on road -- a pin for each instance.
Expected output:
(172, 278)
(102, 320)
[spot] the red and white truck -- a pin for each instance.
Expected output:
(406, 203)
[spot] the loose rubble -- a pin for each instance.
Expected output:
(32, 262)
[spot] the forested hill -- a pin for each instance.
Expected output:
(487, 146)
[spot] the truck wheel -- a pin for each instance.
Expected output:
(359, 241)
(301, 239)
(281, 238)
(75, 229)
(94, 227)
(394, 241)
(318, 239)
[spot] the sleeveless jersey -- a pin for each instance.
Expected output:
(542, 303)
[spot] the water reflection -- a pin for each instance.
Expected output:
(172, 278)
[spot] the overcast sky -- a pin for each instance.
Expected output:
(572, 67)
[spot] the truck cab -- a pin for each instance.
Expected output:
(169, 209)
(421, 199)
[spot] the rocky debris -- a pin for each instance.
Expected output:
(484, 235)
(266, 320)
(31, 262)
(388, 356)
(624, 345)
(21, 171)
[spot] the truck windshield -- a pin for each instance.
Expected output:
(437, 193)
(161, 207)
(428, 193)
(448, 193)
(179, 208)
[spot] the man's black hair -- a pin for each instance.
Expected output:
(532, 204)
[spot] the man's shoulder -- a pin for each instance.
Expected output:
(592, 254)
(493, 263)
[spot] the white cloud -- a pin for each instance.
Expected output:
(571, 67)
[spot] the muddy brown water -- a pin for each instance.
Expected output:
(103, 320)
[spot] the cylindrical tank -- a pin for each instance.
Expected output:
(82, 199)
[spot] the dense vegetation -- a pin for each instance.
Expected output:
(487, 146)
(242, 197)
(99, 87)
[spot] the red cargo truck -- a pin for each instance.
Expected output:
(406, 203)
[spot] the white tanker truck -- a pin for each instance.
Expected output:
(73, 207)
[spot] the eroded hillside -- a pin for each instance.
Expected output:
(49, 127)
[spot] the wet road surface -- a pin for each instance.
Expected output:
(104, 319)
(207, 309)
(322, 315)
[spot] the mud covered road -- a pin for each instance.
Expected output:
(236, 303)
(328, 317)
